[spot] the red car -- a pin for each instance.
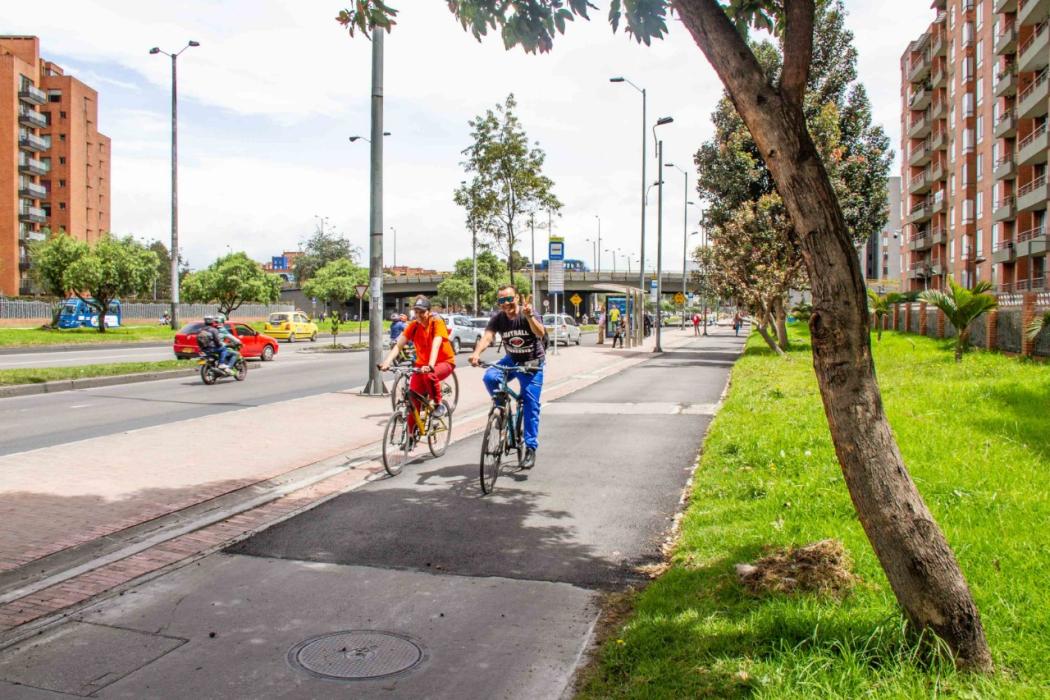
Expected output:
(256, 345)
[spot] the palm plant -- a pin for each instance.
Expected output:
(962, 307)
(880, 306)
(1038, 324)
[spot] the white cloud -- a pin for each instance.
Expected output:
(268, 99)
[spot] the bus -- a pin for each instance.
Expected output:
(77, 313)
(570, 266)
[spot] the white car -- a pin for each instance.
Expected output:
(461, 331)
(563, 327)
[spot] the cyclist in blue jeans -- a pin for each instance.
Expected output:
(523, 334)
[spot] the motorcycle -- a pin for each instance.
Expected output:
(210, 371)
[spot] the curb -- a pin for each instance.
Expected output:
(23, 349)
(90, 382)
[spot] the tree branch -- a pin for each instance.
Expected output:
(798, 49)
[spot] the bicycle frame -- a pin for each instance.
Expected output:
(407, 404)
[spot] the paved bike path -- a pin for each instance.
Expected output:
(501, 591)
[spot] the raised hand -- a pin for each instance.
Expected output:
(526, 305)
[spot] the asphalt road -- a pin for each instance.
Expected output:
(94, 356)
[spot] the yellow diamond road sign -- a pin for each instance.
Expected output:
(679, 298)
(575, 299)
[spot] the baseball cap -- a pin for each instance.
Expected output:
(422, 303)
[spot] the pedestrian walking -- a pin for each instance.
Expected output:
(738, 321)
(601, 326)
(619, 332)
(696, 323)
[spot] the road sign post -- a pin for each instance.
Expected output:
(556, 276)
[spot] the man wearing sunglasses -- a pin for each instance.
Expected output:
(523, 335)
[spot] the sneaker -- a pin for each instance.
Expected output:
(440, 411)
(530, 459)
(223, 367)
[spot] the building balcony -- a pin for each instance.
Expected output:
(920, 97)
(938, 77)
(32, 95)
(1033, 195)
(1006, 126)
(938, 236)
(32, 166)
(1005, 169)
(938, 45)
(1006, 41)
(1032, 101)
(1032, 11)
(1004, 6)
(1006, 82)
(920, 184)
(920, 67)
(925, 210)
(1005, 209)
(1004, 253)
(1032, 148)
(919, 242)
(1032, 55)
(28, 234)
(920, 155)
(938, 110)
(1031, 242)
(919, 127)
(28, 116)
(32, 215)
(939, 141)
(32, 190)
(31, 142)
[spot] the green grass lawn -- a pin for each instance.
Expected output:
(50, 374)
(976, 439)
(11, 337)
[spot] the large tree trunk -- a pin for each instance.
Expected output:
(763, 330)
(918, 562)
(780, 320)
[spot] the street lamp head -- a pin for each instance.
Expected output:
(194, 43)
(355, 138)
(670, 165)
(154, 50)
(618, 79)
(664, 120)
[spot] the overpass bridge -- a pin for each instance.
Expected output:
(399, 291)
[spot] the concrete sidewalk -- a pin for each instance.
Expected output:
(85, 517)
(432, 589)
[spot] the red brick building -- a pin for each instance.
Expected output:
(54, 163)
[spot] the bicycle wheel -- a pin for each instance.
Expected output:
(450, 391)
(396, 444)
(440, 433)
(395, 391)
(492, 451)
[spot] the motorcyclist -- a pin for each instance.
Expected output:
(219, 344)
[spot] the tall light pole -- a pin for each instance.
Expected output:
(685, 228)
(641, 266)
(174, 182)
(594, 251)
(375, 386)
(394, 231)
(612, 254)
(532, 237)
(659, 228)
(599, 270)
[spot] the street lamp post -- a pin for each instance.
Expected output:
(641, 266)
(594, 251)
(174, 182)
(375, 385)
(685, 228)
(612, 254)
(394, 231)
(659, 229)
(599, 270)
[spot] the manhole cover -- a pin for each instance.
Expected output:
(358, 655)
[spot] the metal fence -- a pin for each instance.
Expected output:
(41, 310)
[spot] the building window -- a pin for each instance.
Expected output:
(967, 104)
(62, 206)
(967, 34)
(980, 128)
(61, 160)
(61, 183)
(967, 211)
(951, 250)
(54, 95)
(980, 57)
(61, 115)
(980, 203)
(47, 118)
(980, 13)
(980, 91)
(980, 166)
(995, 235)
(980, 243)
(62, 138)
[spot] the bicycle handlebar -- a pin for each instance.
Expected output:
(508, 369)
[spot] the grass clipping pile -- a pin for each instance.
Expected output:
(821, 567)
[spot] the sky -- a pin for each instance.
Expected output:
(268, 100)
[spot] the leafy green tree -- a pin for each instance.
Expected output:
(880, 305)
(51, 258)
(962, 307)
(321, 248)
(336, 282)
(508, 183)
(109, 269)
(918, 562)
(456, 291)
(231, 281)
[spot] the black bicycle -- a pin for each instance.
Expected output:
(504, 431)
(412, 420)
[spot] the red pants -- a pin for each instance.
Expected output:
(430, 384)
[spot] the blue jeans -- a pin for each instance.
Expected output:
(530, 386)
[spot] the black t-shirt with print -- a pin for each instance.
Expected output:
(519, 340)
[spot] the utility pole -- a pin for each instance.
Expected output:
(375, 386)
(474, 256)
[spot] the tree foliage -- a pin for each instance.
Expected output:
(231, 281)
(508, 184)
(962, 307)
(51, 258)
(321, 248)
(880, 305)
(336, 282)
(110, 269)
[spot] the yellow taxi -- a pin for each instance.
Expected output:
(290, 326)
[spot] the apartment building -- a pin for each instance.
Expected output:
(974, 143)
(880, 257)
(56, 173)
